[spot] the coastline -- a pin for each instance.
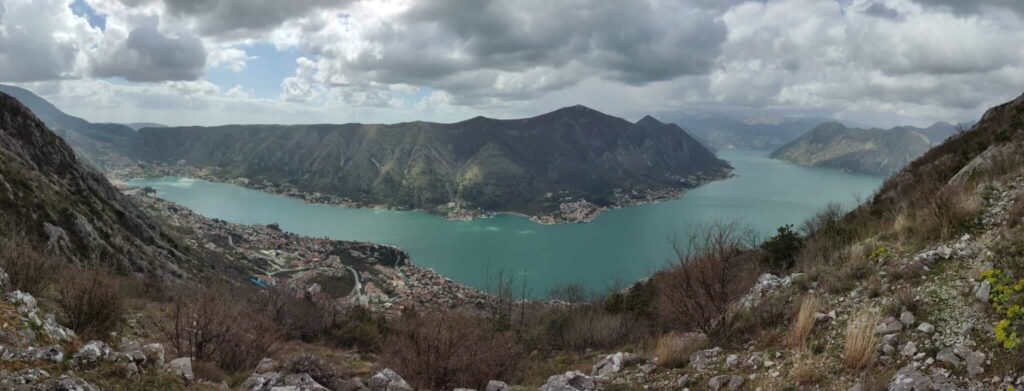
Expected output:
(571, 210)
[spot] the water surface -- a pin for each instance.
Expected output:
(621, 245)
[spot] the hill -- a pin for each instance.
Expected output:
(868, 151)
(100, 144)
(723, 131)
(564, 165)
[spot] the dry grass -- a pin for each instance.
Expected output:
(804, 372)
(938, 216)
(29, 269)
(1016, 212)
(861, 343)
(803, 323)
(674, 349)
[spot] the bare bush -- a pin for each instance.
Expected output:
(572, 293)
(316, 367)
(29, 269)
(91, 302)
(215, 324)
(449, 350)
(709, 274)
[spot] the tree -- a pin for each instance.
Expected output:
(782, 249)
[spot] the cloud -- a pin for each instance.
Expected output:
(975, 6)
(42, 40)
(147, 55)
(239, 18)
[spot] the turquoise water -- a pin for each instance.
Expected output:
(621, 245)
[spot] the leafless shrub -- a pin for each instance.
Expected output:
(449, 350)
(572, 293)
(91, 302)
(314, 366)
(214, 324)
(30, 270)
(709, 274)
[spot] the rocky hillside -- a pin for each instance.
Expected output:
(532, 165)
(47, 194)
(100, 145)
(868, 151)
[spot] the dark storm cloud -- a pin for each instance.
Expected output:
(241, 17)
(148, 56)
(633, 42)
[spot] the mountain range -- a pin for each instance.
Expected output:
(867, 151)
(572, 161)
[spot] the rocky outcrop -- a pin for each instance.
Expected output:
(388, 380)
(868, 151)
(570, 381)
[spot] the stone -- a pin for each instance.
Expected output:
(260, 381)
(947, 356)
(182, 366)
(926, 328)
(982, 291)
(299, 382)
(131, 370)
(495, 385)
(266, 365)
(889, 327)
(907, 318)
(570, 381)
(705, 359)
(725, 382)
(388, 380)
(614, 363)
(91, 353)
(888, 350)
(910, 379)
(909, 350)
(731, 360)
(154, 355)
(890, 339)
(69, 383)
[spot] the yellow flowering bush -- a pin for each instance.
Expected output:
(1006, 297)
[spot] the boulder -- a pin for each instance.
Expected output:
(182, 366)
(890, 326)
(909, 378)
(614, 363)
(495, 385)
(388, 380)
(570, 381)
(909, 350)
(947, 356)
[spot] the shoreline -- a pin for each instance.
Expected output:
(571, 211)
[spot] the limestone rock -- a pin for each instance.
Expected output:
(614, 363)
(726, 382)
(91, 353)
(570, 381)
(388, 380)
(909, 350)
(926, 328)
(495, 385)
(182, 366)
(982, 291)
(706, 359)
(154, 355)
(907, 318)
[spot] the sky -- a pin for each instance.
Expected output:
(208, 62)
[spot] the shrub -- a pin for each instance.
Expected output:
(29, 269)
(803, 323)
(358, 328)
(220, 325)
(711, 272)
(91, 302)
(860, 343)
(1008, 302)
(449, 350)
(674, 350)
(638, 300)
(782, 249)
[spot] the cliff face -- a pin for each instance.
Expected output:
(48, 194)
(868, 151)
(501, 165)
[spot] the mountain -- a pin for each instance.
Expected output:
(940, 131)
(531, 165)
(48, 194)
(723, 131)
(100, 144)
(140, 125)
(868, 151)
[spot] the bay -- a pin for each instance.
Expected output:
(620, 246)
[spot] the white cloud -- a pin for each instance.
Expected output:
(42, 40)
